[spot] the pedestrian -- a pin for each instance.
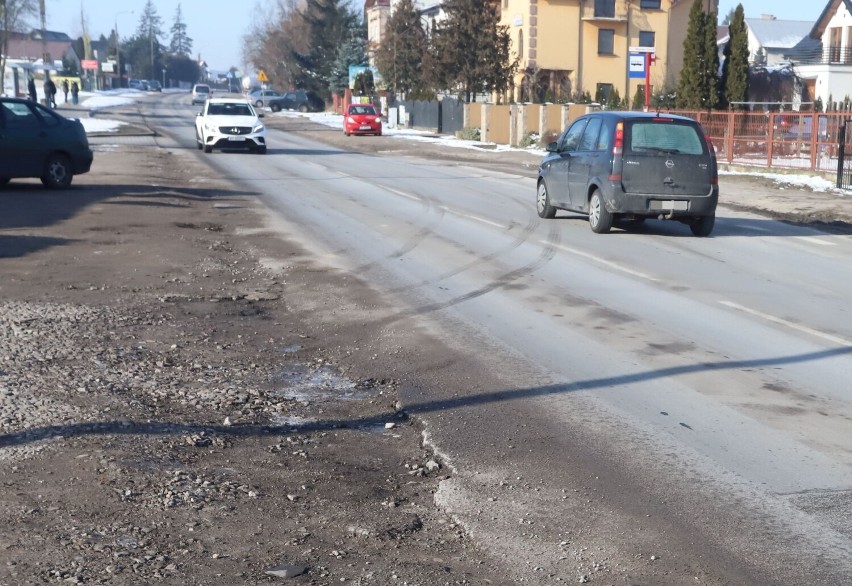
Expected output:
(65, 89)
(31, 89)
(75, 91)
(50, 93)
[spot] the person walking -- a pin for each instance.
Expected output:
(65, 89)
(75, 92)
(31, 89)
(50, 93)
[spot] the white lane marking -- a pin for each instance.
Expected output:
(813, 240)
(474, 218)
(794, 326)
(404, 194)
(601, 261)
(750, 227)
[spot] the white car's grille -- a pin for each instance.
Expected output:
(235, 129)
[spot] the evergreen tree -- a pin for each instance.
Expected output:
(698, 84)
(181, 43)
(711, 63)
(471, 49)
(689, 84)
(328, 24)
(150, 23)
(399, 57)
(144, 49)
(735, 69)
(350, 52)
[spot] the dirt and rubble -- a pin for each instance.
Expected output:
(186, 398)
(179, 405)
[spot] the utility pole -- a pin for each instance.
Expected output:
(45, 56)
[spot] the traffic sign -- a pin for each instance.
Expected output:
(261, 76)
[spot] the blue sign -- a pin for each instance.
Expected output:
(636, 65)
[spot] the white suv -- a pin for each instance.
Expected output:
(200, 93)
(229, 123)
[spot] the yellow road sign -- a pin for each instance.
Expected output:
(261, 76)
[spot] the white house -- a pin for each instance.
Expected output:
(824, 58)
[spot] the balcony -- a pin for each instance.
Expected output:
(820, 55)
(605, 10)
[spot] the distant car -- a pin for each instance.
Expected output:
(135, 84)
(200, 93)
(154, 86)
(301, 100)
(229, 123)
(38, 142)
(362, 119)
(260, 97)
(622, 168)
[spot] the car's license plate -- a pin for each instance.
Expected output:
(236, 138)
(365, 127)
(670, 204)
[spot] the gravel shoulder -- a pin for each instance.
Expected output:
(179, 405)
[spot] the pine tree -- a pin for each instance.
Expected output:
(699, 78)
(150, 23)
(181, 44)
(735, 69)
(327, 25)
(399, 57)
(350, 52)
(689, 85)
(471, 49)
(711, 63)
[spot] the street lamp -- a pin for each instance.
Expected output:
(118, 43)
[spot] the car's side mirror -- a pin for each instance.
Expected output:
(551, 147)
(199, 113)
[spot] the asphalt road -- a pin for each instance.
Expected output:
(693, 393)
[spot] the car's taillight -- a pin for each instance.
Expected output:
(618, 142)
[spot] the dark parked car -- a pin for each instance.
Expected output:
(301, 100)
(622, 168)
(38, 142)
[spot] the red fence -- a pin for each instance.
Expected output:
(805, 141)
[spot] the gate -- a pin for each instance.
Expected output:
(844, 157)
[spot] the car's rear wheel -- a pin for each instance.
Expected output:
(303, 108)
(259, 104)
(702, 226)
(600, 219)
(542, 202)
(57, 172)
(275, 107)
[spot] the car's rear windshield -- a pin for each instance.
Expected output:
(666, 136)
(202, 89)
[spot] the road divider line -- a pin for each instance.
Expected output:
(794, 326)
(403, 194)
(474, 218)
(600, 261)
(813, 240)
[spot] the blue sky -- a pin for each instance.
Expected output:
(216, 27)
(783, 9)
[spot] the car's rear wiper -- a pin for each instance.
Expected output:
(662, 150)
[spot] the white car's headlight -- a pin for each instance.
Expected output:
(258, 127)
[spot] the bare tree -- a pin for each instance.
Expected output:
(13, 15)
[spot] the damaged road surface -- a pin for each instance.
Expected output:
(333, 366)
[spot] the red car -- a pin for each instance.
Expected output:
(362, 119)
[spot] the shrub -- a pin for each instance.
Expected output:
(529, 140)
(468, 133)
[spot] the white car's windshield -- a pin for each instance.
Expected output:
(229, 110)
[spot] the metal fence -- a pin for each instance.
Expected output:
(844, 156)
(805, 141)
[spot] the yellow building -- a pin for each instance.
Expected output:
(569, 47)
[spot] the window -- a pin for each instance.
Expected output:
(572, 137)
(652, 4)
(606, 41)
(521, 44)
(590, 136)
(19, 115)
(605, 8)
(604, 90)
(646, 38)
